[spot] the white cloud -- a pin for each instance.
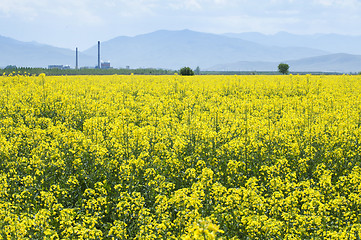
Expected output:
(339, 3)
(76, 12)
(192, 5)
(90, 20)
(20, 8)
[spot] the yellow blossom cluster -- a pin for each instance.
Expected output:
(175, 157)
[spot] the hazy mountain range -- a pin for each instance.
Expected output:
(175, 49)
(338, 62)
(327, 42)
(32, 54)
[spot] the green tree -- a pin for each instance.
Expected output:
(283, 68)
(186, 71)
(197, 71)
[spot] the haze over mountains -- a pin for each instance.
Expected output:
(175, 49)
(338, 62)
(327, 42)
(32, 54)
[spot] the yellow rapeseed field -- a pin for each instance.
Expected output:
(172, 157)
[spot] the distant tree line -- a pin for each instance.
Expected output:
(140, 71)
(58, 72)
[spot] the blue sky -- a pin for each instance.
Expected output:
(81, 23)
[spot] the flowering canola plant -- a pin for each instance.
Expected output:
(173, 157)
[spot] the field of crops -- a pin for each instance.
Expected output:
(172, 157)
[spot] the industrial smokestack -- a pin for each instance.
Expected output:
(99, 54)
(76, 59)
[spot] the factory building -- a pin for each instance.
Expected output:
(105, 65)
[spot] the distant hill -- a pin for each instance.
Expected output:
(339, 62)
(31, 54)
(334, 43)
(175, 49)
